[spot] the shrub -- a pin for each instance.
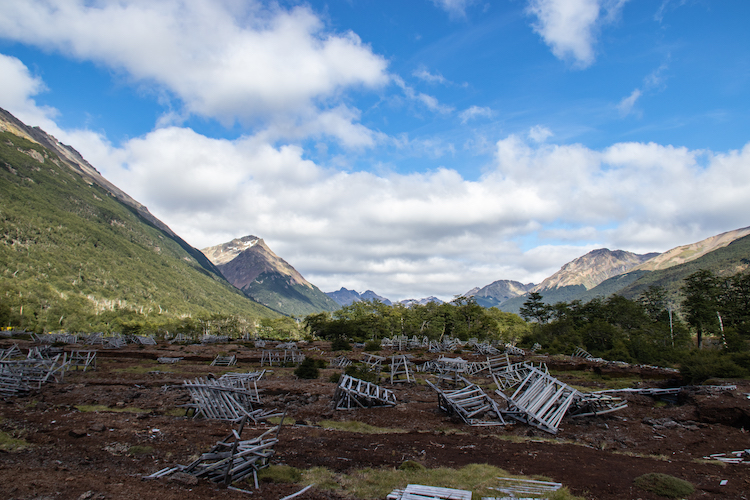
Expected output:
(411, 465)
(308, 369)
(699, 366)
(664, 485)
(372, 345)
(340, 344)
(361, 373)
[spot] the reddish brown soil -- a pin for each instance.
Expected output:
(77, 454)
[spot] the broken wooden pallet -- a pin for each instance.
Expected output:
(219, 399)
(82, 359)
(355, 393)
(220, 360)
(421, 492)
(540, 400)
(231, 459)
(470, 403)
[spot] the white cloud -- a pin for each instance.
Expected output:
(428, 77)
(428, 101)
(222, 59)
(430, 233)
(456, 9)
(17, 88)
(537, 133)
(475, 112)
(570, 27)
(626, 104)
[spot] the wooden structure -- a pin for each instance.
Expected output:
(514, 374)
(540, 400)
(220, 360)
(355, 393)
(221, 400)
(341, 362)
(82, 359)
(373, 362)
(421, 492)
(231, 459)
(523, 488)
(279, 356)
(470, 403)
(515, 351)
(400, 369)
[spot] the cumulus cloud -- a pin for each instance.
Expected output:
(538, 206)
(221, 59)
(426, 100)
(570, 27)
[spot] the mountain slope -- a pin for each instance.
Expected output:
(252, 267)
(687, 253)
(575, 278)
(591, 269)
(76, 256)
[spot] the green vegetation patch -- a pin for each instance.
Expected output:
(360, 427)
(138, 450)
(10, 443)
(664, 485)
(377, 483)
(280, 474)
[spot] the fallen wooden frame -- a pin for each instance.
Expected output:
(522, 488)
(592, 404)
(220, 400)
(82, 359)
(422, 492)
(470, 403)
(220, 360)
(373, 361)
(356, 393)
(231, 459)
(514, 374)
(540, 400)
(341, 362)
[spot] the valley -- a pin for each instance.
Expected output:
(97, 433)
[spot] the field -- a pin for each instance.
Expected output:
(96, 434)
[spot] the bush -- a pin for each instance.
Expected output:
(372, 345)
(664, 485)
(701, 365)
(308, 369)
(361, 373)
(340, 344)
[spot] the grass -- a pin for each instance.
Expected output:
(377, 483)
(664, 485)
(579, 379)
(101, 408)
(140, 450)
(145, 367)
(10, 443)
(360, 427)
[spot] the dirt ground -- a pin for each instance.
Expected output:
(79, 454)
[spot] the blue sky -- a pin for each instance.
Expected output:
(412, 148)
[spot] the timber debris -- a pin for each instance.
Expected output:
(470, 403)
(231, 459)
(355, 393)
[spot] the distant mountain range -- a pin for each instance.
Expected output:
(345, 297)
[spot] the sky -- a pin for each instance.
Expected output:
(418, 148)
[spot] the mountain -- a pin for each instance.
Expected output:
(346, 297)
(78, 253)
(687, 253)
(251, 266)
(724, 260)
(498, 292)
(575, 278)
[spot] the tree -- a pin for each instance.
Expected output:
(534, 308)
(701, 301)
